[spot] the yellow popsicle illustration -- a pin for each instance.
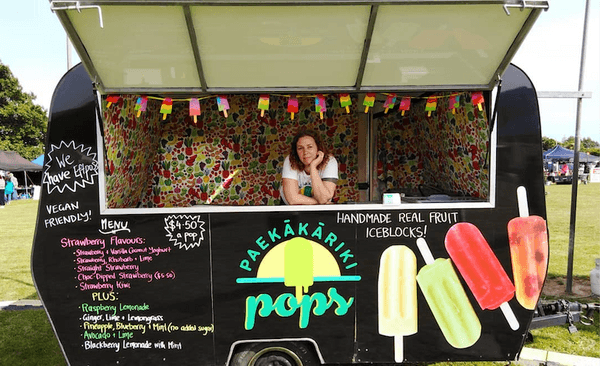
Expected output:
(447, 299)
(298, 265)
(397, 295)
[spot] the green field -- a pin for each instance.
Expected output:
(26, 337)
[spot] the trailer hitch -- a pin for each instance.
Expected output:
(559, 312)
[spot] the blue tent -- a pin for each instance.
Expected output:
(559, 153)
(39, 160)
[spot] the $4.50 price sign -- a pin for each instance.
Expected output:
(185, 231)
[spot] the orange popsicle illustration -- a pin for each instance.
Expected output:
(447, 299)
(298, 265)
(397, 296)
(528, 238)
(481, 269)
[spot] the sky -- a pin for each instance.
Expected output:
(33, 44)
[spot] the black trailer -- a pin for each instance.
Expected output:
(161, 238)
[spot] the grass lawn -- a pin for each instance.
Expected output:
(26, 337)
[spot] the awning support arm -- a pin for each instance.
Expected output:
(77, 7)
(525, 4)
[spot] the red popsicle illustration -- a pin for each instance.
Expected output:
(111, 99)
(195, 109)
(528, 238)
(477, 99)
(292, 105)
(404, 105)
(481, 269)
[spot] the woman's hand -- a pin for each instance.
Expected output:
(318, 160)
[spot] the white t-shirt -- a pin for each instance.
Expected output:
(329, 172)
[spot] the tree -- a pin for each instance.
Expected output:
(548, 143)
(23, 124)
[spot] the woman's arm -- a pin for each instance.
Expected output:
(323, 191)
(293, 195)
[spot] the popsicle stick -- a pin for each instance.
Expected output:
(522, 201)
(425, 252)
(510, 316)
(299, 294)
(399, 348)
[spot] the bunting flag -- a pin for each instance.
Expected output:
(431, 105)
(320, 105)
(223, 104)
(453, 102)
(389, 102)
(345, 102)
(166, 107)
(141, 104)
(404, 105)
(263, 104)
(477, 100)
(369, 101)
(292, 106)
(111, 99)
(195, 109)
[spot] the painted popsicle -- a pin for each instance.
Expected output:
(369, 101)
(195, 109)
(481, 269)
(320, 105)
(453, 102)
(222, 104)
(397, 295)
(404, 105)
(447, 299)
(389, 102)
(298, 265)
(166, 107)
(111, 99)
(223, 186)
(263, 104)
(345, 102)
(141, 105)
(477, 99)
(292, 106)
(431, 105)
(528, 238)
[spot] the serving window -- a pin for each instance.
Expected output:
(158, 160)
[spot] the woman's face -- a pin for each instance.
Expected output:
(307, 149)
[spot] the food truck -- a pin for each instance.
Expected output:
(161, 238)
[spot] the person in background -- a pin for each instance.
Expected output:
(2, 187)
(310, 172)
(8, 190)
(15, 182)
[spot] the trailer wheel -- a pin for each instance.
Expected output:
(274, 354)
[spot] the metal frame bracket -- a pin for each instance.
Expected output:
(77, 6)
(526, 4)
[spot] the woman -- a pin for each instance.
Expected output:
(310, 172)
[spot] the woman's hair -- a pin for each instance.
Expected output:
(295, 161)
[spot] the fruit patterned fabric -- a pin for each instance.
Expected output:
(446, 151)
(192, 160)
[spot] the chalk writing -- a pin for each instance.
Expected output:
(185, 231)
(405, 224)
(113, 226)
(68, 219)
(69, 166)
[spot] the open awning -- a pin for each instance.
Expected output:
(250, 46)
